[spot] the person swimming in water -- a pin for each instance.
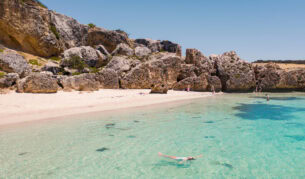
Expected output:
(179, 159)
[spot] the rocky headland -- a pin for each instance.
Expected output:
(43, 51)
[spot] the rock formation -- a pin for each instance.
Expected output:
(12, 62)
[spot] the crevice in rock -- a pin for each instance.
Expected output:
(120, 84)
(223, 79)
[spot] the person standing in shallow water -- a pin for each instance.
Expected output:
(268, 98)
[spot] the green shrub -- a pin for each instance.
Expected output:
(75, 62)
(94, 70)
(76, 73)
(2, 74)
(91, 25)
(55, 32)
(1, 50)
(34, 62)
(57, 59)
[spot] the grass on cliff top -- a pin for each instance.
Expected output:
(57, 59)
(91, 25)
(34, 62)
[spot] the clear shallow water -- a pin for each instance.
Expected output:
(239, 135)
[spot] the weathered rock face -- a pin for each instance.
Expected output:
(52, 67)
(234, 73)
(142, 51)
(159, 89)
(158, 46)
(12, 62)
(26, 26)
(201, 63)
(161, 68)
(37, 83)
(9, 80)
(108, 79)
(272, 78)
(89, 55)
(123, 49)
(103, 50)
(214, 83)
(109, 39)
(122, 64)
(195, 83)
(83, 82)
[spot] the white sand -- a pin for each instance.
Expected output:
(20, 107)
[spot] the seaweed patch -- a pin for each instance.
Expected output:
(102, 149)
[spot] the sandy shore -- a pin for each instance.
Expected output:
(20, 107)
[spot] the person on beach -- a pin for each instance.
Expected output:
(188, 88)
(179, 159)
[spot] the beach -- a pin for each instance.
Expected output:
(21, 107)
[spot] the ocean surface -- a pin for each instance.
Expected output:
(239, 136)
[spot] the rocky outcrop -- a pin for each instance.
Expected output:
(108, 79)
(83, 82)
(123, 49)
(27, 26)
(9, 80)
(89, 55)
(214, 84)
(109, 39)
(159, 89)
(161, 68)
(272, 78)
(235, 74)
(12, 62)
(159, 46)
(37, 83)
(103, 50)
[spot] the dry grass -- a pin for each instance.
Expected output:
(284, 65)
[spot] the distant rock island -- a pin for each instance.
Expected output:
(43, 51)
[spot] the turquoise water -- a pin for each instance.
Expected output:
(239, 135)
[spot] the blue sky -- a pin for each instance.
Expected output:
(256, 29)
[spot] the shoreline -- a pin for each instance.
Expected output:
(23, 107)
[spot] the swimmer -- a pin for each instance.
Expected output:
(179, 159)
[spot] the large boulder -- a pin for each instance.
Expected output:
(89, 55)
(123, 49)
(11, 62)
(9, 80)
(108, 79)
(214, 83)
(103, 50)
(235, 74)
(159, 46)
(122, 64)
(83, 82)
(161, 68)
(30, 27)
(37, 83)
(194, 83)
(109, 39)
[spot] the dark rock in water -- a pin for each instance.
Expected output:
(209, 122)
(131, 136)
(111, 125)
(23, 153)
(227, 165)
(102, 149)
(111, 135)
(136, 121)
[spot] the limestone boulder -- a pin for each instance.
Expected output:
(122, 64)
(159, 46)
(123, 49)
(11, 62)
(37, 83)
(89, 55)
(161, 68)
(142, 51)
(103, 50)
(9, 80)
(194, 83)
(235, 74)
(108, 79)
(214, 83)
(109, 39)
(83, 82)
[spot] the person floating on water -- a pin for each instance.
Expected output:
(179, 159)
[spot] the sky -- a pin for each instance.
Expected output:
(255, 29)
